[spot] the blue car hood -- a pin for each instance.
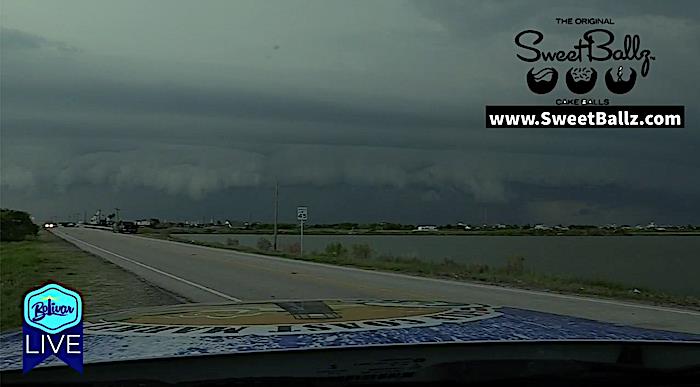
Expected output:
(231, 328)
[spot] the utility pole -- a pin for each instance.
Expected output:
(274, 227)
(116, 212)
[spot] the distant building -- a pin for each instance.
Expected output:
(144, 223)
(234, 224)
(541, 227)
(427, 228)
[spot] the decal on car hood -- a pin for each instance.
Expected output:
(200, 329)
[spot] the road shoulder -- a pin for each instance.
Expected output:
(103, 285)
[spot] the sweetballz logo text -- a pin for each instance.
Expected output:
(624, 61)
(53, 325)
(596, 45)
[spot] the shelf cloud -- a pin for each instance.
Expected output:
(204, 107)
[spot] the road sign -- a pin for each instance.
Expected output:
(302, 214)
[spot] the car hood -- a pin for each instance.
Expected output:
(232, 328)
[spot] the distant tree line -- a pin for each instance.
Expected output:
(16, 225)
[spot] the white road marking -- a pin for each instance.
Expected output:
(188, 282)
(448, 282)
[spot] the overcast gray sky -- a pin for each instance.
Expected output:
(362, 110)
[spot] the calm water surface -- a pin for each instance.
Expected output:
(668, 263)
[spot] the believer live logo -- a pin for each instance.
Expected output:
(53, 325)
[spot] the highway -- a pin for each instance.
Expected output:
(204, 274)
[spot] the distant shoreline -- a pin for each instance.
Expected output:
(514, 233)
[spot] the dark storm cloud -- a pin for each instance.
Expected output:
(14, 39)
(342, 112)
(134, 98)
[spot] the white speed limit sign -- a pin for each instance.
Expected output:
(302, 213)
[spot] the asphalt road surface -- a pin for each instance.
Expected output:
(204, 274)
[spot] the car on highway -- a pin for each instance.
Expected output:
(344, 342)
(125, 227)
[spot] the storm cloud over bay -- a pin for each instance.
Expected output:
(362, 110)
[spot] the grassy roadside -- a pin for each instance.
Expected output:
(513, 273)
(103, 285)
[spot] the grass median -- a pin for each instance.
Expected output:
(103, 285)
(513, 272)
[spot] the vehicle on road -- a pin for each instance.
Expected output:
(125, 227)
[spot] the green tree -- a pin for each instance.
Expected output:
(16, 225)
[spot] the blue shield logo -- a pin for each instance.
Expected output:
(53, 308)
(53, 325)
